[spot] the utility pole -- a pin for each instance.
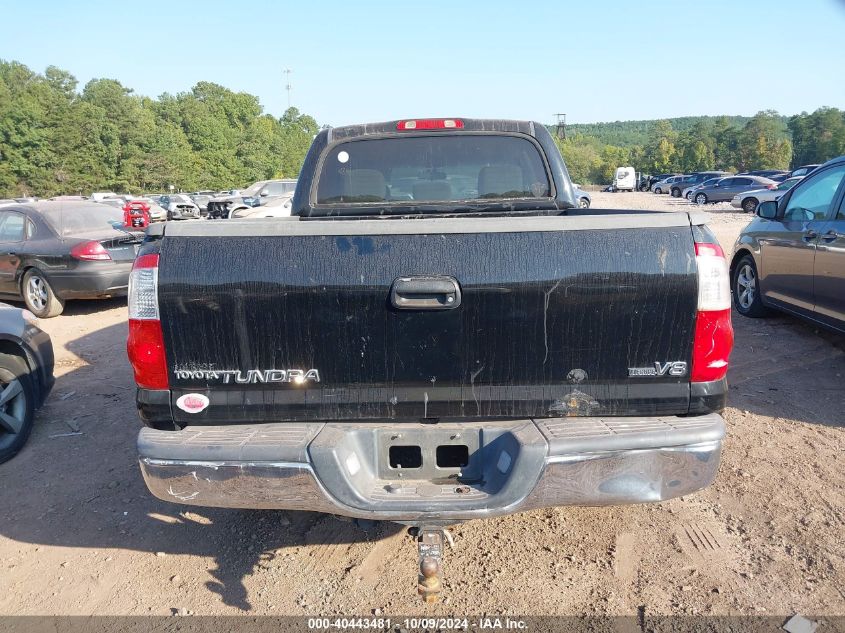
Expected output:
(561, 126)
(287, 72)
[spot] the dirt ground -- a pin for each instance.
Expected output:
(79, 534)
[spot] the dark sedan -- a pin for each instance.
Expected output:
(802, 171)
(792, 256)
(26, 376)
(764, 173)
(54, 251)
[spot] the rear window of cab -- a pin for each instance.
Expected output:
(432, 169)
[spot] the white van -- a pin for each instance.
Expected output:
(625, 179)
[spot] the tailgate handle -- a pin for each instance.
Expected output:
(425, 293)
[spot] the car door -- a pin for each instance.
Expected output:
(734, 186)
(829, 267)
(12, 236)
(722, 190)
(788, 248)
(741, 185)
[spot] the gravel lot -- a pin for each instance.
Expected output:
(79, 534)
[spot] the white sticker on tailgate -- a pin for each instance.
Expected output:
(192, 402)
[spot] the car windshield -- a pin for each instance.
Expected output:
(432, 169)
(81, 218)
(278, 188)
(253, 189)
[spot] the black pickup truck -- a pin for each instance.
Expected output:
(436, 334)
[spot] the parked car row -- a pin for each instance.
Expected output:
(262, 199)
(157, 213)
(265, 198)
(744, 191)
(77, 247)
(682, 183)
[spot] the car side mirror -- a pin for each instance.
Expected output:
(264, 194)
(768, 210)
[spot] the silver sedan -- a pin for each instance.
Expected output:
(665, 186)
(689, 192)
(727, 188)
(748, 200)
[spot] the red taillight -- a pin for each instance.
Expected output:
(145, 345)
(714, 340)
(714, 334)
(771, 187)
(90, 251)
(710, 250)
(430, 124)
(146, 261)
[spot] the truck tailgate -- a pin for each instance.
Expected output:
(293, 319)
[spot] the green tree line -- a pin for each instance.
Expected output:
(630, 133)
(764, 141)
(55, 139)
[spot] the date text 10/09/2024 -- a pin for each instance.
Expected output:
(418, 624)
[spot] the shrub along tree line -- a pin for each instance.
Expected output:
(55, 139)
(764, 141)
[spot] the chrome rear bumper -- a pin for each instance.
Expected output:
(512, 466)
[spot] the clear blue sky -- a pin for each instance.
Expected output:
(356, 61)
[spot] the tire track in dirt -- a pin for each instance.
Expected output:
(701, 545)
(626, 562)
(328, 542)
(382, 554)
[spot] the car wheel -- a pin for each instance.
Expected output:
(17, 405)
(746, 289)
(701, 198)
(676, 193)
(643, 188)
(658, 190)
(750, 205)
(584, 203)
(689, 196)
(38, 295)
